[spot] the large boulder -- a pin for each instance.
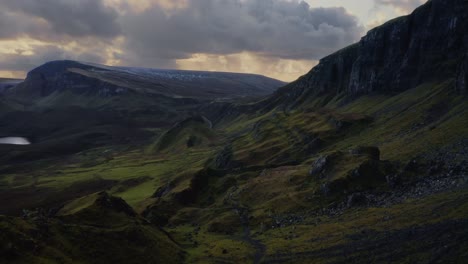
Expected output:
(347, 172)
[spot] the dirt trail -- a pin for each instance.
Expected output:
(243, 214)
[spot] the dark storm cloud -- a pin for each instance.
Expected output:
(271, 28)
(64, 17)
(157, 37)
(14, 25)
(87, 23)
(404, 5)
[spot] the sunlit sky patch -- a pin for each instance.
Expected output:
(282, 39)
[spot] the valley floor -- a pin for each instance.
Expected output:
(377, 180)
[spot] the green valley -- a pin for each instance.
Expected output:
(336, 167)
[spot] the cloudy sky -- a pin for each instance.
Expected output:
(282, 39)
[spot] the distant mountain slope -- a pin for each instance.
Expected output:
(64, 98)
(364, 159)
(430, 45)
(6, 83)
(93, 79)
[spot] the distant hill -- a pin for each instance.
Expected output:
(69, 97)
(105, 81)
(6, 83)
(361, 160)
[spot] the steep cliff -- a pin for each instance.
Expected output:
(422, 47)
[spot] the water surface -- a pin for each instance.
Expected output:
(14, 141)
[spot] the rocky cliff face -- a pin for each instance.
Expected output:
(425, 46)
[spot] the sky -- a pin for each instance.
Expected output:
(282, 39)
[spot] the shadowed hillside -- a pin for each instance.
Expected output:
(105, 81)
(361, 160)
(6, 84)
(66, 106)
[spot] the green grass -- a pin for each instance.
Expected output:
(335, 231)
(78, 205)
(270, 178)
(208, 247)
(74, 243)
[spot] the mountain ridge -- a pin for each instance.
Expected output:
(105, 81)
(332, 168)
(390, 58)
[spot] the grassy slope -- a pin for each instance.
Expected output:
(419, 121)
(234, 218)
(128, 240)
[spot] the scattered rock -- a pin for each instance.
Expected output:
(369, 151)
(192, 141)
(318, 168)
(369, 172)
(39, 216)
(339, 124)
(325, 189)
(450, 178)
(356, 199)
(393, 180)
(435, 168)
(161, 191)
(224, 158)
(411, 166)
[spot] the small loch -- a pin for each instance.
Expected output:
(14, 141)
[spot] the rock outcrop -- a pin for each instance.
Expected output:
(422, 47)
